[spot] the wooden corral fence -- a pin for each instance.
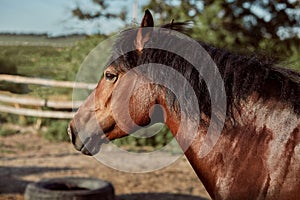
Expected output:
(19, 101)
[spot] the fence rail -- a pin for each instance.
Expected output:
(46, 82)
(36, 113)
(40, 102)
(17, 101)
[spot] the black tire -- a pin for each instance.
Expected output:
(70, 188)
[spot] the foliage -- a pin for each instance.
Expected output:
(4, 131)
(57, 130)
(268, 27)
(162, 137)
(9, 118)
(252, 20)
(100, 11)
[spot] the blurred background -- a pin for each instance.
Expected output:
(43, 43)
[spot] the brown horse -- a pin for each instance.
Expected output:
(257, 155)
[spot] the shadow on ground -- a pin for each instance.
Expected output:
(11, 177)
(11, 183)
(158, 196)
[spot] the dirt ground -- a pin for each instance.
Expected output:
(25, 158)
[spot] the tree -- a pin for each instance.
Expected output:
(101, 11)
(238, 24)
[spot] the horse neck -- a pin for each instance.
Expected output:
(242, 162)
(173, 120)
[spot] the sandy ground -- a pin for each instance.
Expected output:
(25, 158)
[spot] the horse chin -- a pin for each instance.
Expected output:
(90, 151)
(92, 145)
(85, 151)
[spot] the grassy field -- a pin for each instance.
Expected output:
(39, 40)
(56, 63)
(46, 61)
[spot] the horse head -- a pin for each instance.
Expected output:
(102, 117)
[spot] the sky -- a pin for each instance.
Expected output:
(54, 17)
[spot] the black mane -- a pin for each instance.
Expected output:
(242, 75)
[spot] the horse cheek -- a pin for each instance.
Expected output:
(139, 109)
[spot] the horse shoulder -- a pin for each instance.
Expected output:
(277, 130)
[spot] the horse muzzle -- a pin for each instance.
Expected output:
(88, 145)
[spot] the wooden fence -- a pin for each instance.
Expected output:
(46, 82)
(19, 102)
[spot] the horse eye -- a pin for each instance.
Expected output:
(109, 76)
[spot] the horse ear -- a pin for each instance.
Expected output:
(147, 19)
(143, 35)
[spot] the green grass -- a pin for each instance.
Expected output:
(57, 131)
(137, 142)
(38, 40)
(4, 131)
(58, 63)
(48, 62)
